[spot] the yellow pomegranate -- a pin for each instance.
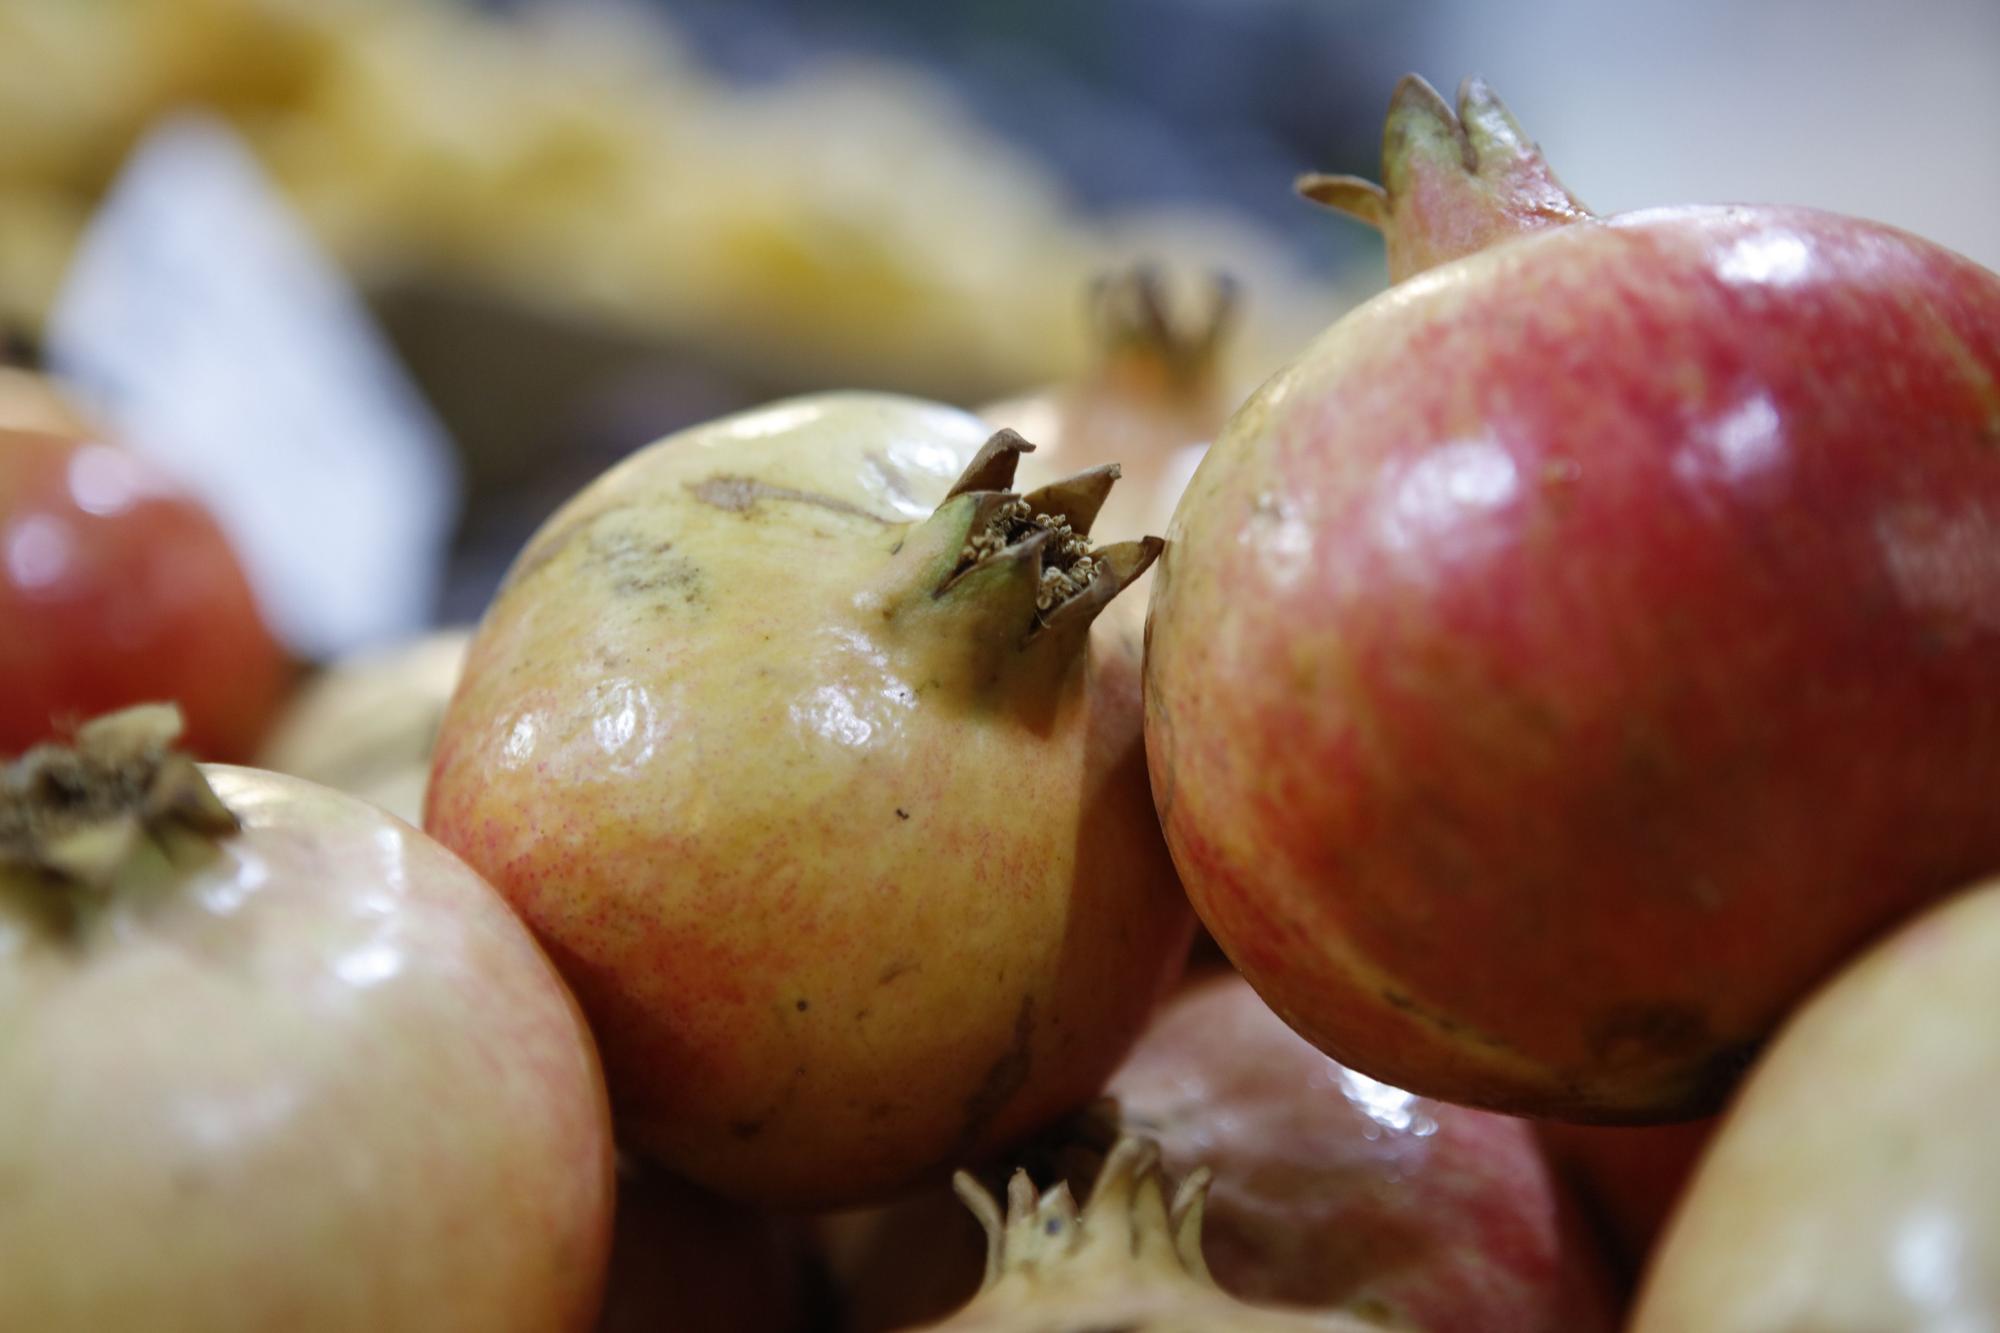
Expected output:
(797, 754)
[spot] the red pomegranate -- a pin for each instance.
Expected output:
(1587, 644)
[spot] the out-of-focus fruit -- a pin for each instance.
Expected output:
(1629, 1178)
(902, 1264)
(270, 1058)
(1150, 402)
(1332, 1192)
(1128, 1260)
(681, 1258)
(1335, 1192)
(366, 725)
(795, 753)
(1590, 642)
(1853, 1184)
(31, 402)
(116, 586)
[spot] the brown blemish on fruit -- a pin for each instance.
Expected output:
(750, 1126)
(894, 970)
(638, 567)
(901, 813)
(739, 495)
(1003, 1079)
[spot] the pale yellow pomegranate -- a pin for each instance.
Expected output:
(799, 757)
(271, 1059)
(365, 725)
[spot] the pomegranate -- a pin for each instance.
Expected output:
(365, 725)
(1151, 401)
(1128, 1260)
(117, 586)
(1332, 1192)
(1853, 1185)
(797, 755)
(1588, 643)
(272, 1059)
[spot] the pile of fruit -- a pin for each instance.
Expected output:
(1567, 694)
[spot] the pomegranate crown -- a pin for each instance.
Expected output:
(1453, 182)
(1127, 1214)
(1034, 548)
(75, 814)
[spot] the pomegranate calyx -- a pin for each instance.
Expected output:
(992, 468)
(1138, 339)
(1127, 1222)
(1452, 182)
(77, 813)
(1034, 549)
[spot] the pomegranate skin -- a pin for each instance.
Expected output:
(1586, 645)
(116, 587)
(1337, 1193)
(852, 882)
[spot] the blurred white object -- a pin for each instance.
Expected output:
(201, 323)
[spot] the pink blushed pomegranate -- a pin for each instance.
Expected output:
(1587, 644)
(791, 740)
(270, 1058)
(1331, 1193)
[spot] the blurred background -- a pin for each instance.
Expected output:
(581, 225)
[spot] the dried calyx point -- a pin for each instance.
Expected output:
(77, 812)
(1044, 535)
(1130, 310)
(1129, 1259)
(1127, 1219)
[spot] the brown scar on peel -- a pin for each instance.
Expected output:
(1005, 1078)
(739, 495)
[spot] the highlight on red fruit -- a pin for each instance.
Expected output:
(117, 587)
(1585, 646)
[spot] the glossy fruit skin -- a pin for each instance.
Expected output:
(1334, 1192)
(1853, 1184)
(316, 1077)
(840, 918)
(1586, 645)
(118, 587)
